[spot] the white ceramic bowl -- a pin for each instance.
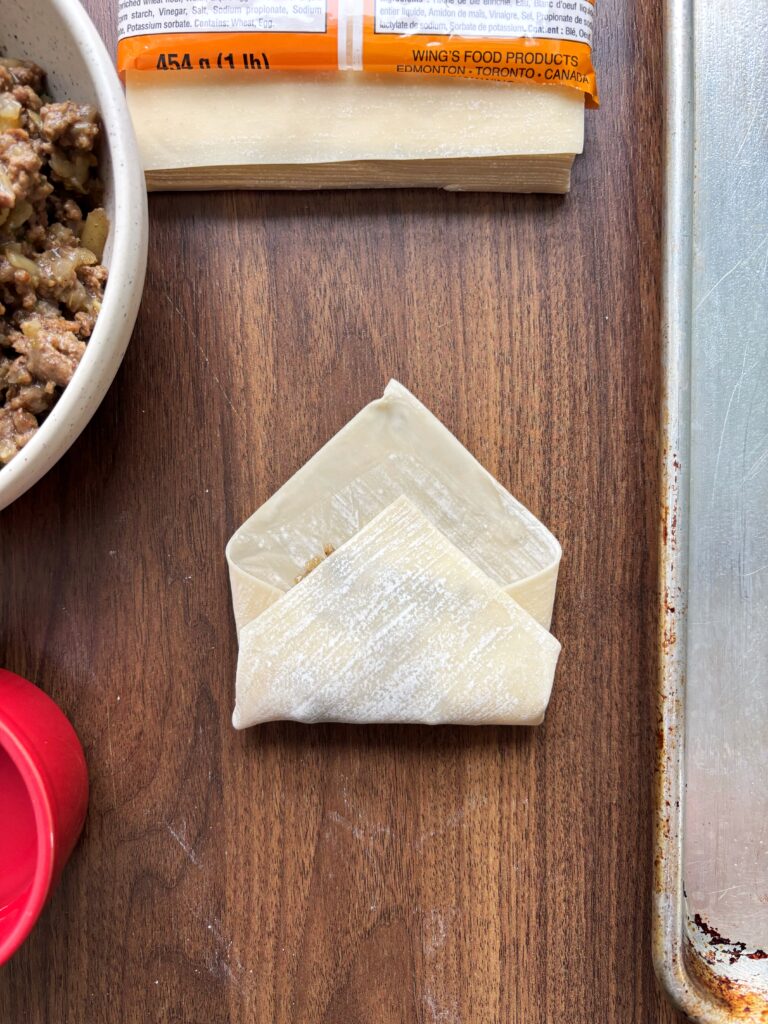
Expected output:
(60, 37)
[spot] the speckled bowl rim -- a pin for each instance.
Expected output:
(127, 266)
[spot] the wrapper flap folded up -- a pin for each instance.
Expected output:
(396, 626)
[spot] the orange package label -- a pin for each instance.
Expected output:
(540, 42)
(234, 35)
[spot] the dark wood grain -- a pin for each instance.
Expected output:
(336, 875)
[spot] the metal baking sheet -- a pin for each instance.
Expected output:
(711, 899)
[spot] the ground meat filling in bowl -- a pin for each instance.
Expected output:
(52, 234)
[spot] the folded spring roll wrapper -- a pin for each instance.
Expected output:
(393, 448)
(396, 626)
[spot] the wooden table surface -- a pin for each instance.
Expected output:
(339, 875)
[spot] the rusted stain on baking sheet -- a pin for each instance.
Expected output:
(695, 962)
(671, 591)
(708, 967)
(693, 959)
(669, 706)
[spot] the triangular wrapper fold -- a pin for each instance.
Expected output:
(430, 591)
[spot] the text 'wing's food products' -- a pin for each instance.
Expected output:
(393, 579)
